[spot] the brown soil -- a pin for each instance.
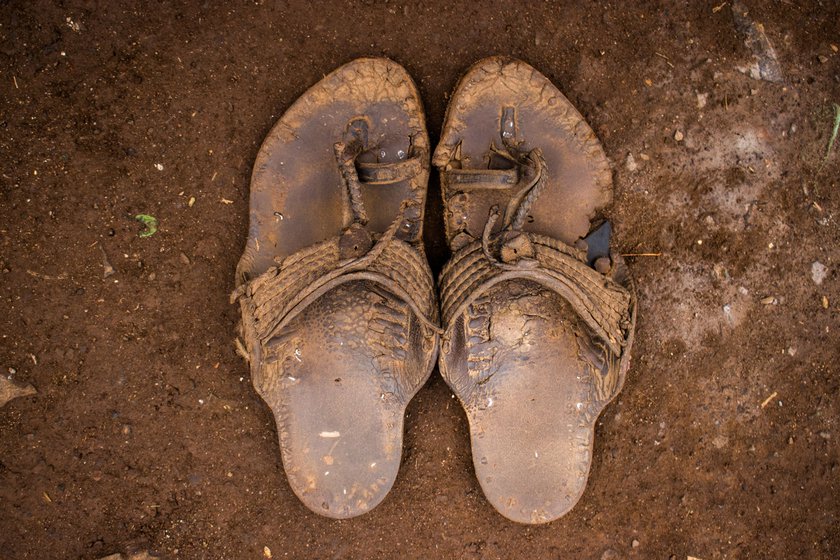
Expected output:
(145, 432)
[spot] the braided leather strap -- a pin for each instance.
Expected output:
(604, 305)
(274, 298)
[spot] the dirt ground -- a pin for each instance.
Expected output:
(145, 433)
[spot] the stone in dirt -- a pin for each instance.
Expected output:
(818, 272)
(630, 163)
(10, 390)
(765, 65)
(141, 555)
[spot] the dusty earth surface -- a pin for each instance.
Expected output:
(145, 433)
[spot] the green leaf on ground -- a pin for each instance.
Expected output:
(150, 222)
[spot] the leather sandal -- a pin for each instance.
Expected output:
(339, 314)
(538, 322)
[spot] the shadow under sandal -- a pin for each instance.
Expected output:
(536, 340)
(339, 316)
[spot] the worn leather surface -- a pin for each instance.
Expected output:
(339, 313)
(536, 342)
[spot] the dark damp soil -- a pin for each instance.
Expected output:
(145, 433)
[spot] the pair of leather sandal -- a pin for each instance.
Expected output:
(341, 319)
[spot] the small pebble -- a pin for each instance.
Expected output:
(630, 163)
(635, 543)
(818, 272)
(678, 136)
(603, 265)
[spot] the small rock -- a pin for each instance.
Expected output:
(825, 302)
(822, 58)
(141, 555)
(610, 554)
(769, 300)
(818, 272)
(107, 269)
(630, 163)
(678, 136)
(159, 166)
(10, 390)
(765, 64)
(603, 265)
(635, 543)
(824, 434)
(184, 258)
(791, 351)
(702, 99)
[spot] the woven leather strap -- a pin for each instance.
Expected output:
(274, 298)
(603, 304)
